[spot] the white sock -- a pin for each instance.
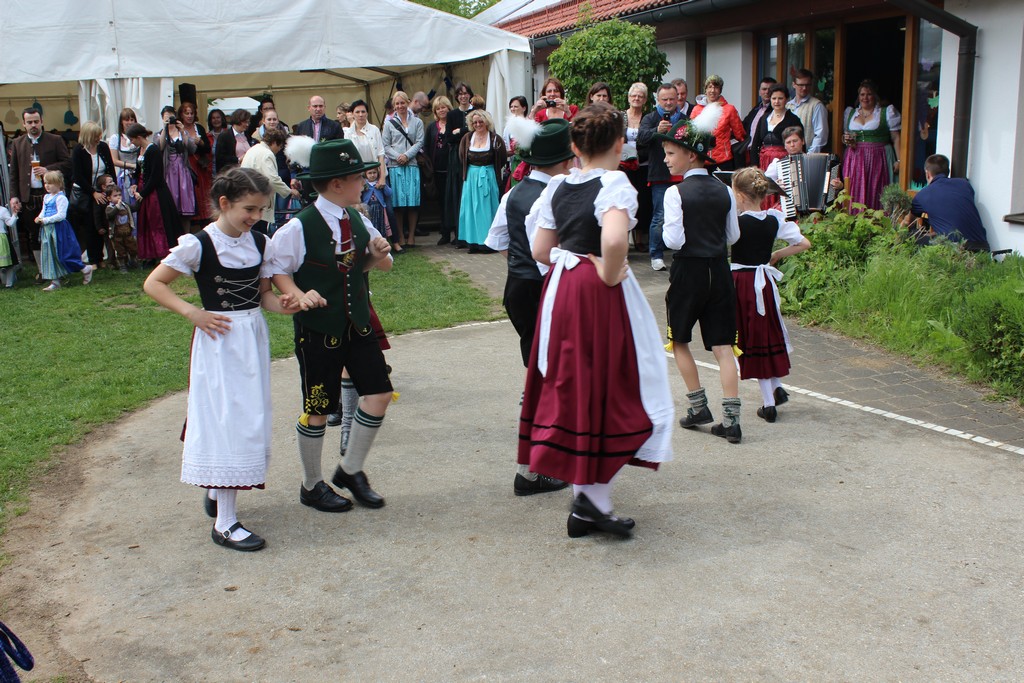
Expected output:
(226, 514)
(524, 470)
(767, 392)
(599, 494)
(211, 494)
(348, 405)
(776, 383)
(311, 445)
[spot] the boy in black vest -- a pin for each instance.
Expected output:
(319, 257)
(700, 222)
(547, 147)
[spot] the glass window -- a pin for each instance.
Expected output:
(768, 57)
(824, 63)
(929, 62)
(794, 55)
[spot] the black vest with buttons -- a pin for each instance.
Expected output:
(573, 209)
(520, 200)
(227, 289)
(706, 204)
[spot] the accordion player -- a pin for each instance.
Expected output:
(808, 180)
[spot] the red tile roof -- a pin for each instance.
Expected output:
(564, 15)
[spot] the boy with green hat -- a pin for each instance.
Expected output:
(547, 147)
(319, 258)
(700, 223)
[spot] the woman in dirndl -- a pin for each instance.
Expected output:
(761, 333)
(597, 396)
(482, 155)
(176, 147)
(403, 139)
(200, 162)
(871, 136)
(157, 218)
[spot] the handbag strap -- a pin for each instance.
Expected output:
(400, 129)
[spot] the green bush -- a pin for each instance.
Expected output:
(991, 321)
(617, 52)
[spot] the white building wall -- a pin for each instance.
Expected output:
(682, 63)
(730, 56)
(995, 164)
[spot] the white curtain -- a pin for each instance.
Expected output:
(102, 100)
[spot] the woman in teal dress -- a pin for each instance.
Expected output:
(483, 154)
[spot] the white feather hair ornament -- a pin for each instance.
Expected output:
(707, 120)
(299, 149)
(523, 131)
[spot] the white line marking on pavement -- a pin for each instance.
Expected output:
(892, 416)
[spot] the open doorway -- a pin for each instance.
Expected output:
(874, 50)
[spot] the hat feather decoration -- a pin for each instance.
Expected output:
(707, 120)
(299, 149)
(523, 131)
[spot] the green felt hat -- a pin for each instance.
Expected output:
(688, 136)
(551, 145)
(334, 159)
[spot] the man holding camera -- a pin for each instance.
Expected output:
(665, 115)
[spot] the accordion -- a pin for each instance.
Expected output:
(807, 178)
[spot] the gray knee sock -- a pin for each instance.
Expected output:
(311, 445)
(524, 470)
(698, 400)
(364, 431)
(349, 403)
(730, 411)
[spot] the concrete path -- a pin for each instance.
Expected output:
(836, 544)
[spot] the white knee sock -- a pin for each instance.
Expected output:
(226, 514)
(311, 445)
(524, 470)
(364, 431)
(349, 404)
(599, 494)
(767, 392)
(776, 382)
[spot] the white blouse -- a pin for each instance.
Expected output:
(616, 193)
(892, 118)
(232, 252)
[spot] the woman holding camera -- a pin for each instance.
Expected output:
(552, 104)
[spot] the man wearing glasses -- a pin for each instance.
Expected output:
(810, 110)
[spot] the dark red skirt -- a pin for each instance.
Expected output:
(759, 337)
(152, 237)
(585, 420)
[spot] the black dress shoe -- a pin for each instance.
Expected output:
(422, 233)
(210, 505)
(359, 487)
(731, 434)
(445, 239)
(247, 544)
(323, 498)
(767, 413)
(542, 484)
(474, 249)
(484, 249)
(334, 420)
(599, 521)
(460, 244)
(781, 396)
(692, 419)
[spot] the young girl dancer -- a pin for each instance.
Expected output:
(761, 333)
(597, 395)
(227, 435)
(61, 253)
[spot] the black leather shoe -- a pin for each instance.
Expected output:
(767, 413)
(422, 233)
(246, 545)
(359, 487)
(323, 498)
(781, 396)
(445, 239)
(692, 419)
(334, 420)
(619, 526)
(542, 484)
(731, 434)
(460, 244)
(210, 506)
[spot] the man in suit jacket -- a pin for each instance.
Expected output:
(318, 126)
(684, 105)
(27, 181)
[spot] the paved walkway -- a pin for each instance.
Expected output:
(832, 367)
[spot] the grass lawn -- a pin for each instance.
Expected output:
(84, 356)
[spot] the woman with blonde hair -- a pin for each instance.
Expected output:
(482, 153)
(403, 139)
(638, 101)
(439, 150)
(89, 160)
(760, 332)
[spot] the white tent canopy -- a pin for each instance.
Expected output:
(126, 53)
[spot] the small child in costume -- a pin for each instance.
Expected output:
(762, 335)
(60, 253)
(700, 223)
(99, 219)
(227, 435)
(120, 225)
(376, 201)
(8, 258)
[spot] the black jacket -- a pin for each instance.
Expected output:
(329, 129)
(224, 155)
(81, 167)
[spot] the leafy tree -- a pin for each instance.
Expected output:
(617, 52)
(462, 8)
